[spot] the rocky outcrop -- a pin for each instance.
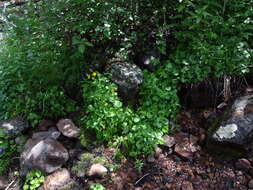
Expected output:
(43, 153)
(236, 126)
(128, 77)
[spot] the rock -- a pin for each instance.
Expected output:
(68, 128)
(187, 186)
(236, 127)
(53, 134)
(243, 164)
(184, 146)
(3, 182)
(82, 167)
(97, 170)
(151, 159)
(45, 154)
(168, 141)
(158, 151)
(59, 180)
(128, 77)
(250, 184)
(13, 127)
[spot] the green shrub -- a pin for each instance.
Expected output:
(139, 131)
(8, 149)
(214, 39)
(97, 187)
(51, 103)
(33, 180)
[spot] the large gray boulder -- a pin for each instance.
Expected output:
(128, 77)
(236, 126)
(13, 127)
(43, 153)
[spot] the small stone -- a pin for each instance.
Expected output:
(158, 151)
(97, 169)
(243, 164)
(187, 186)
(59, 180)
(151, 159)
(184, 146)
(168, 141)
(68, 128)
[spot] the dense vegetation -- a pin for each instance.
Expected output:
(54, 55)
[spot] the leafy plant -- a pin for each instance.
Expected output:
(50, 46)
(33, 180)
(97, 187)
(138, 164)
(7, 150)
(51, 103)
(113, 167)
(138, 131)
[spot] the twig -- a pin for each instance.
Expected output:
(10, 184)
(141, 178)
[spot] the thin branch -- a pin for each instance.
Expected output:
(138, 181)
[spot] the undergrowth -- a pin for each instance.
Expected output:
(50, 46)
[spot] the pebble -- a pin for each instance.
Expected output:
(168, 141)
(187, 186)
(243, 164)
(151, 159)
(97, 169)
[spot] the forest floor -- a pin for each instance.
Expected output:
(188, 168)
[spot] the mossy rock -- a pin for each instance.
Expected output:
(99, 160)
(87, 156)
(217, 150)
(81, 167)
